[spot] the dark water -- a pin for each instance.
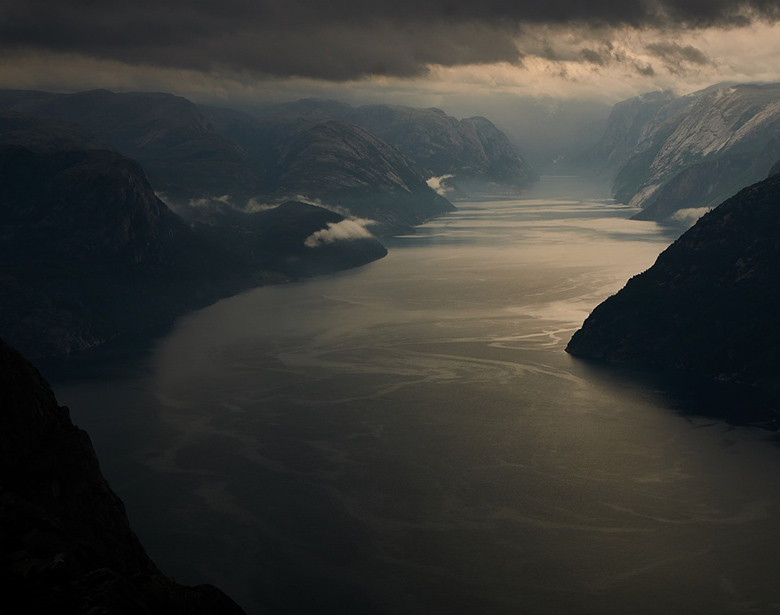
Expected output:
(411, 438)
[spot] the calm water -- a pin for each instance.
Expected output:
(411, 438)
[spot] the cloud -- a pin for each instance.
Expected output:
(211, 200)
(343, 40)
(253, 206)
(689, 216)
(354, 228)
(437, 184)
(342, 211)
(677, 58)
(608, 55)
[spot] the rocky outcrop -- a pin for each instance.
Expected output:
(67, 546)
(709, 304)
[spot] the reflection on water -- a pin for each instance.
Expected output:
(410, 437)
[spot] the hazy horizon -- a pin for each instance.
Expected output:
(546, 74)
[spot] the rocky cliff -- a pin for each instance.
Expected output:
(631, 128)
(67, 546)
(710, 302)
(693, 152)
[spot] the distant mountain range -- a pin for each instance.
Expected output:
(333, 162)
(123, 210)
(709, 304)
(676, 157)
(473, 156)
(192, 153)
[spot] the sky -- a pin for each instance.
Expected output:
(559, 59)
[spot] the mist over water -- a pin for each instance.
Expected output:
(410, 437)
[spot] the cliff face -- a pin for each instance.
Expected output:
(697, 154)
(702, 186)
(631, 127)
(710, 302)
(66, 544)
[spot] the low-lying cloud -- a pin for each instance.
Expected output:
(208, 201)
(253, 206)
(351, 228)
(437, 184)
(689, 216)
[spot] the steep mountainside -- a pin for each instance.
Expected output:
(703, 186)
(67, 546)
(89, 252)
(710, 302)
(189, 155)
(167, 134)
(335, 162)
(730, 133)
(473, 150)
(630, 129)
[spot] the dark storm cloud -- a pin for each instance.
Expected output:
(338, 39)
(607, 55)
(676, 58)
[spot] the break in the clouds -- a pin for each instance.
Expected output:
(343, 39)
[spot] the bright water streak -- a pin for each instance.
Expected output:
(411, 438)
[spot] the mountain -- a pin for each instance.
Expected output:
(191, 153)
(709, 304)
(695, 151)
(67, 546)
(474, 151)
(89, 252)
(295, 239)
(166, 134)
(336, 163)
(632, 128)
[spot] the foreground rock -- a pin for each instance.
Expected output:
(65, 542)
(709, 304)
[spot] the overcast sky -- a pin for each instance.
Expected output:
(461, 55)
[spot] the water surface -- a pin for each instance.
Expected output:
(411, 438)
